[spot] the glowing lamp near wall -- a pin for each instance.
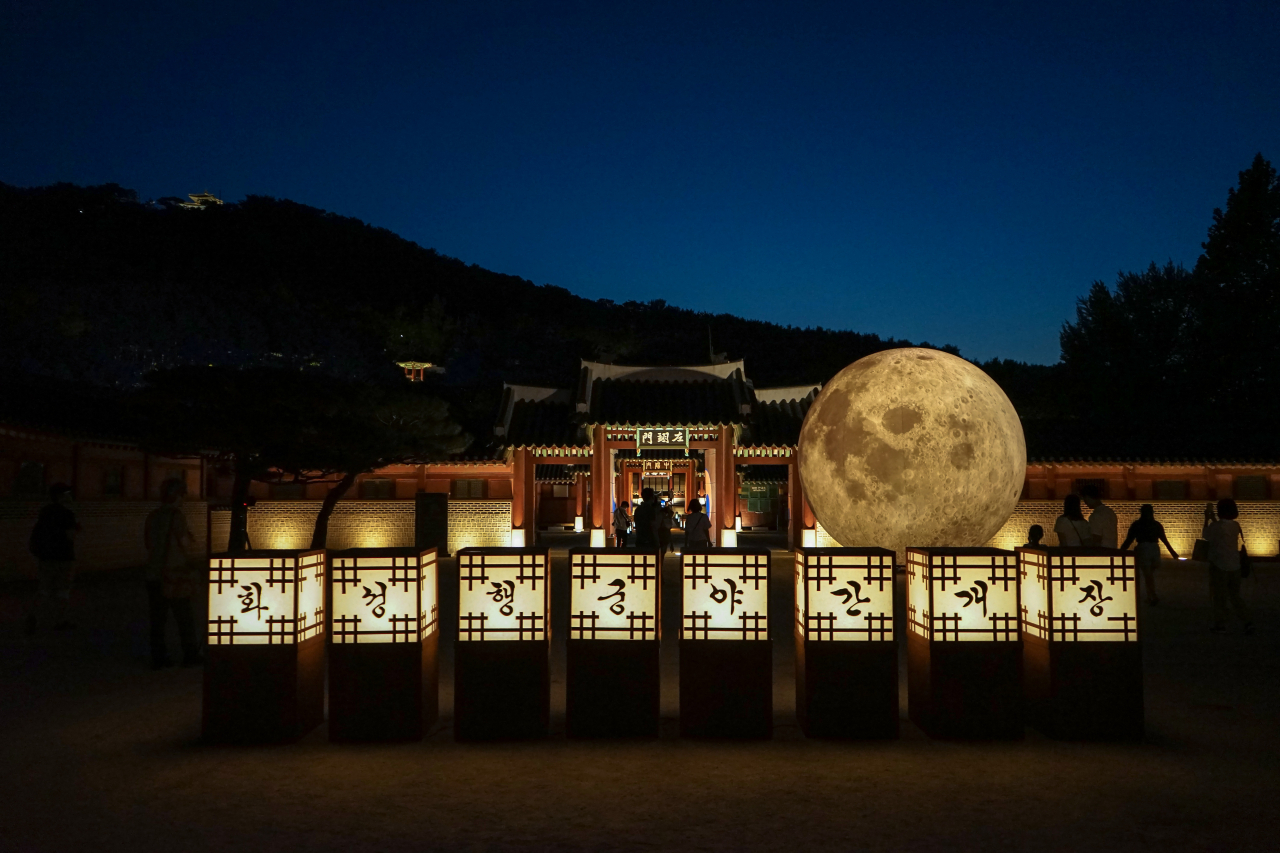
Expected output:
(597, 537)
(517, 538)
(385, 638)
(964, 646)
(381, 598)
(263, 599)
(577, 524)
(1081, 642)
(808, 538)
(726, 656)
(737, 523)
(264, 670)
(612, 678)
(502, 679)
(728, 539)
(846, 649)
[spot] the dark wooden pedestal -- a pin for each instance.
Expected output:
(965, 690)
(726, 688)
(383, 691)
(1084, 691)
(263, 694)
(847, 689)
(501, 689)
(613, 688)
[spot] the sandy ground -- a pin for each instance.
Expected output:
(99, 752)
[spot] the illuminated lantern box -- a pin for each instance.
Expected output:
(384, 643)
(726, 656)
(264, 669)
(502, 678)
(846, 648)
(1081, 647)
(964, 649)
(613, 686)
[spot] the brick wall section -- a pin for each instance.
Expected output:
(479, 524)
(354, 524)
(1182, 522)
(110, 538)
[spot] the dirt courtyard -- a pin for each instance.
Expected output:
(100, 753)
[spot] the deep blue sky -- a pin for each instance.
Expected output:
(951, 172)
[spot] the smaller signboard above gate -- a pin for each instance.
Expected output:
(662, 438)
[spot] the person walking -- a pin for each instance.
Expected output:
(1226, 546)
(171, 581)
(52, 543)
(1102, 518)
(666, 520)
(697, 528)
(621, 524)
(1071, 528)
(1148, 533)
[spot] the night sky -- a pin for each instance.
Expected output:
(952, 172)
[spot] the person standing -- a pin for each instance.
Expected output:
(1035, 533)
(1102, 518)
(646, 521)
(1226, 542)
(52, 543)
(621, 524)
(697, 528)
(1071, 528)
(666, 520)
(171, 581)
(1148, 533)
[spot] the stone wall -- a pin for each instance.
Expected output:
(110, 536)
(354, 524)
(479, 524)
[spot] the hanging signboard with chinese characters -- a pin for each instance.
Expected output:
(1079, 595)
(266, 598)
(503, 594)
(726, 595)
(963, 594)
(845, 594)
(614, 595)
(662, 438)
(383, 598)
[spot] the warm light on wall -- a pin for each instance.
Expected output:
(517, 538)
(726, 596)
(577, 524)
(613, 595)
(502, 594)
(962, 594)
(1079, 595)
(808, 538)
(728, 539)
(844, 596)
(265, 599)
(597, 537)
(384, 599)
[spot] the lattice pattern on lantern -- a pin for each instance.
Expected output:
(963, 594)
(613, 595)
(842, 594)
(503, 594)
(383, 598)
(266, 599)
(726, 595)
(1079, 595)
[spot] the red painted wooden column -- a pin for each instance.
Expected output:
(601, 512)
(524, 494)
(726, 479)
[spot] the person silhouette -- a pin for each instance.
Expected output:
(1102, 518)
(697, 528)
(1035, 533)
(621, 523)
(1071, 528)
(1226, 542)
(646, 521)
(1148, 533)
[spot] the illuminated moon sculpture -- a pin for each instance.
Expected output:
(912, 447)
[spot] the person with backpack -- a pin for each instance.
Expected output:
(1071, 528)
(621, 524)
(52, 543)
(697, 528)
(171, 580)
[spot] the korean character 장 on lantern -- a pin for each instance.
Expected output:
(1079, 595)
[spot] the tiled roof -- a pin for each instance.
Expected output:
(544, 424)
(776, 424)
(625, 402)
(764, 473)
(558, 473)
(1192, 461)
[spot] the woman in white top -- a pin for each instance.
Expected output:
(1071, 528)
(1225, 541)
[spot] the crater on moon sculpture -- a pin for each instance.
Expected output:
(912, 447)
